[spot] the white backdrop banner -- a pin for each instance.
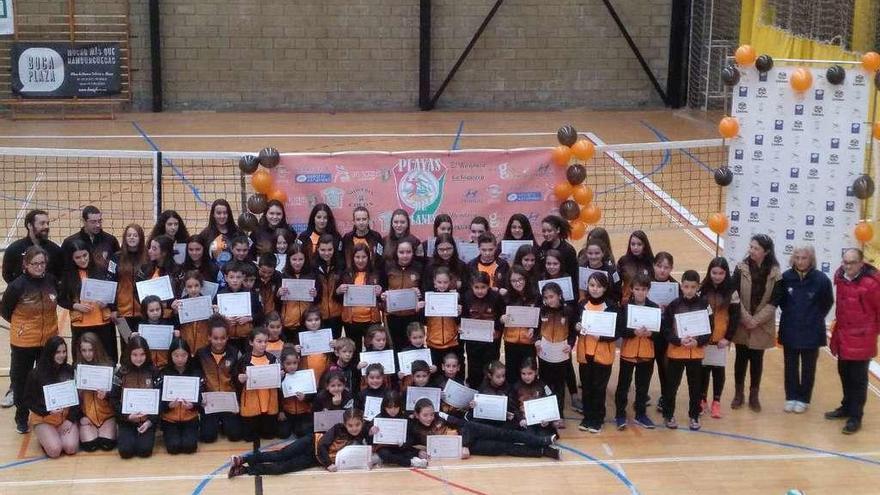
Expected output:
(794, 163)
(7, 26)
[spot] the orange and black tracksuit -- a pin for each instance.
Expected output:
(569, 261)
(636, 357)
(330, 443)
(440, 382)
(441, 334)
(595, 357)
(268, 292)
(610, 271)
(194, 333)
(521, 392)
(159, 356)
(259, 408)
(180, 426)
(130, 442)
(557, 325)
(628, 266)
(724, 303)
(219, 373)
(29, 305)
(460, 274)
(396, 277)
(498, 271)
(358, 319)
(239, 334)
(480, 354)
(97, 320)
(324, 401)
(660, 346)
(398, 455)
(292, 311)
(297, 419)
(519, 342)
(97, 411)
(372, 240)
(680, 359)
(328, 277)
(309, 240)
(35, 400)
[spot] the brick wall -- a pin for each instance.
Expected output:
(363, 54)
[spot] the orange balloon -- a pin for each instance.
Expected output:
(876, 130)
(718, 223)
(279, 195)
(578, 229)
(728, 127)
(864, 232)
(746, 55)
(801, 79)
(562, 190)
(561, 155)
(583, 195)
(591, 214)
(262, 181)
(871, 61)
(583, 150)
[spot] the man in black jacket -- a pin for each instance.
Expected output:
(37, 224)
(101, 244)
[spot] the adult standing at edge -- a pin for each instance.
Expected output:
(854, 340)
(101, 244)
(37, 224)
(754, 278)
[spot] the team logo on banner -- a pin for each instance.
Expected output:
(420, 184)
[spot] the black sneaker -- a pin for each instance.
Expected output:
(551, 452)
(22, 428)
(583, 426)
(839, 413)
(852, 425)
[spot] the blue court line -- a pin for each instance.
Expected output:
(210, 476)
(777, 443)
(192, 187)
(617, 474)
(457, 142)
(22, 462)
(663, 137)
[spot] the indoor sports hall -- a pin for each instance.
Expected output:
(699, 122)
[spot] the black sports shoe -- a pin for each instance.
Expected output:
(839, 413)
(852, 425)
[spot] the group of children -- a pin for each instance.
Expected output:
(220, 349)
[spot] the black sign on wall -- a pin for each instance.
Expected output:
(84, 70)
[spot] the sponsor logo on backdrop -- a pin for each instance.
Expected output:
(313, 178)
(789, 234)
(333, 196)
(420, 183)
(820, 94)
(525, 196)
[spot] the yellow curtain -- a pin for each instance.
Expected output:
(756, 30)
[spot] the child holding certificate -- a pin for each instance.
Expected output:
(490, 263)
(442, 331)
(160, 263)
(123, 266)
(320, 362)
(639, 258)
(328, 272)
(374, 386)
(636, 357)
(136, 433)
(194, 333)
(240, 326)
(292, 312)
(333, 395)
(723, 298)
(404, 455)
(662, 273)
(180, 417)
(344, 351)
(259, 408)
(402, 272)
(495, 383)
(85, 316)
(481, 303)
(420, 376)
(595, 354)
(519, 342)
(557, 324)
(357, 319)
(478, 438)
(269, 281)
(451, 369)
(295, 417)
(554, 269)
(55, 429)
(684, 354)
(97, 425)
(218, 362)
(151, 314)
(595, 258)
(530, 387)
(275, 344)
(377, 340)
(527, 258)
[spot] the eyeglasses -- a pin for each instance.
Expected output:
(37, 263)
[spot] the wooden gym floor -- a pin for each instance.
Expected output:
(743, 453)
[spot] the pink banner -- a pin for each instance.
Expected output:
(494, 184)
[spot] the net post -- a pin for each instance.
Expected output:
(243, 192)
(157, 184)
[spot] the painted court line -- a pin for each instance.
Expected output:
(294, 135)
(25, 205)
(446, 482)
(812, 456)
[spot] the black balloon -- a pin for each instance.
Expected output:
(256, 203)
(569, 209)
(247, 221)
(567, 135)
(730, 75)
(863, 187)
(248, 164)
(764, 63)
(576, 174)
(723, 176)
(269, 157)
(835, 74)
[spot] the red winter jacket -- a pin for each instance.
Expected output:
(858, 315)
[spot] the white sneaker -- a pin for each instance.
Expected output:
(418, 462)
(375, 460)
(8, 400)
(789, 405)
(800, 407)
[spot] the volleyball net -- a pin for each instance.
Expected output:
(648, 186)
